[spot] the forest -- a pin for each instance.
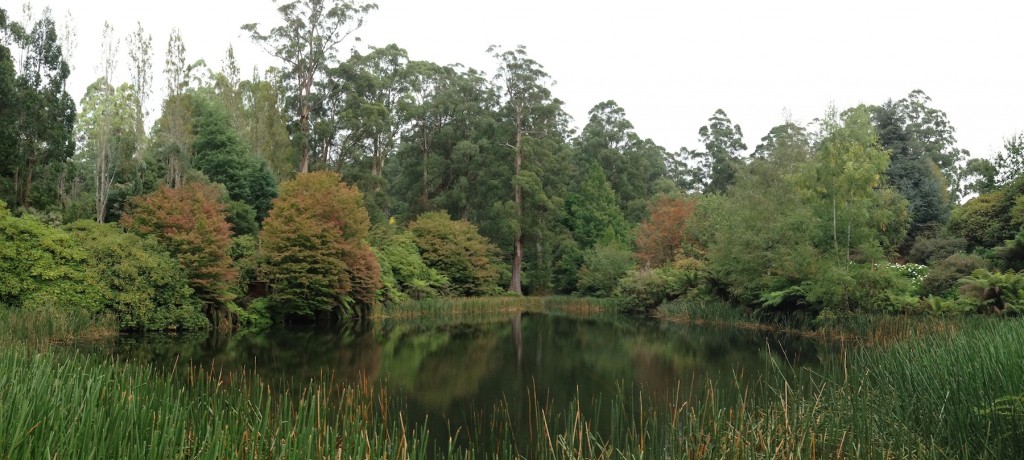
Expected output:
(335, 186)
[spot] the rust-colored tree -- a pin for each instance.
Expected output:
(660, 237)
(315, 243)
(190, 222)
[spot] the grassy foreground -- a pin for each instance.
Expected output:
(939, 396)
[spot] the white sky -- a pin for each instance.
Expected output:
(669, 64)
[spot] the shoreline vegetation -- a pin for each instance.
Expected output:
(950, 388)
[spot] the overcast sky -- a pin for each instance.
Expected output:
(669, 64)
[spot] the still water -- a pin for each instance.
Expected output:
(450, 374)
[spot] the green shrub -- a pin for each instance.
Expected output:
(994, 292)
(404, 274)
(245, 254)
(141, 284)
(645, 289)
(928, 250)
(256, 315)
(944, 275)
(44, 267)
(458, 252)
(602, 269)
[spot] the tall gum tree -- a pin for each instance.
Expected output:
(308, 42)
(533, 115)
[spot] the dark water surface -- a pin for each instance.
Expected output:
(455, 374)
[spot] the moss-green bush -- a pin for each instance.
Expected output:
(602, 269)
(943, 278)
(645, 289)
(44, 267)
(404, 274)
(140, 283)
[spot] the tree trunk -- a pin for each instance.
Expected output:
(515, 286)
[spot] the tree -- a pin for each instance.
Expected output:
(106, 128)
(174, 128)
(633, 166)
(140, 67)
(190, 222)
(533, 115)
(457, 251)
(844, 177)
(221, 155)
(912, 171)
(41, 114)
(266, 130)
(593, 215)
(315, 244)
(717, 164)
(1010, 162)
(660, 237)
(451, 119)
(308, 43)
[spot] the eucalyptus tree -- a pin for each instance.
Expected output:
(308, 42)
(450, 119)
(536, 123)
(633, 166)
(140, 70)
(723, 147)
(39, 113)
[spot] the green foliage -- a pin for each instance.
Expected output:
(593, 215)
(457, 252)
(44, 267)
(404, 273)
(603, 267)
(645, 289)
(930, 249)
(945, 274)
(632, 166)
(190, 223)
(994, 292)
(142, 285)
(315, 246)
(988, 220)
(248, 260)
(95, 268)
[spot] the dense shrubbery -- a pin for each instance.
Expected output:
(645, 289)
(96, 268)
(314, 243)
(455, 249)
(44, 267)
(603, 267)
(141, 284)
(404, 274)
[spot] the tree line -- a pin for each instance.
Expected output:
(333, 183)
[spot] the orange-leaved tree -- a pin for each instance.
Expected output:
(190, 222)
(660, 237)
(315, 246)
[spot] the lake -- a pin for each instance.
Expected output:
(453, 374)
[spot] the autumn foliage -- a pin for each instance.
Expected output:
(190, 222)
(315, 244)
(661, 236)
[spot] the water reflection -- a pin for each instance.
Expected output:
(454, 372)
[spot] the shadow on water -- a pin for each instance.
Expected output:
(453, 375)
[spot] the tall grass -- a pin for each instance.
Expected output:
(463, 307)
(950, 395)
(41, 328)
(80, 407)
